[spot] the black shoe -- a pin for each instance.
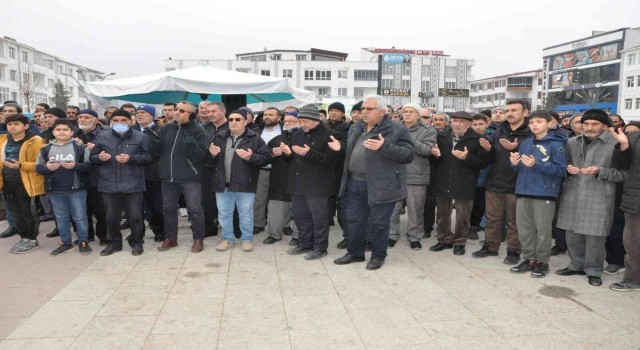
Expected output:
(595, 281)
(415, 245)
(568, 272)
(84, 248)
(367, 246)
(391, 243)
(10, 232)
(297, 250)
(161, 238)
(270, 240)
(375, 263)
(257, 230)
(484, 252)
(343, 244)
(110, 249)
(62, 248)
(438, 247)
(426, 235)
(287, 231)
(47, 217)
(348, 259)
(88, 240)
(512, 258)
(53, 233)
(555, 250)
(524, 266)
(293, 242)
(540, 270)
(125, 225)
(473, 233)
(137, 250)
(458, 250)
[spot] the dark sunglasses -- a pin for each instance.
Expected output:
(236, 119)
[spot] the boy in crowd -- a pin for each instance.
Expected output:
(541, 162)
(19, 181)
(66, 166)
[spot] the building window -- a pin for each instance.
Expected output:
(13, 75)
(426, 70)
(426, 85)
(628, 103)
(265, 72)
(4, 94)
(41, 98)
(631, 81)
(520, 82)
(287, 73)
(14, 96)
(323, 91)
(277, 57)
(342, 91)
(406, 84)
(450, 72)
(343, 74)
(450, 85)
(539, 95)
(50, 64)
(387, 68)
(448, 103)
(301, 57)
(25, 77)
(638, 80)
(323, 75)
(502, 83)
(12, 53)
(241, 70)
(365, 75)
(25, 57)
(358, 92)
(386, 83)
(632, 59)
(308, 75)
(60, 70)
(637, 103)
(50, 83)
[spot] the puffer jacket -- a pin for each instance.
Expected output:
(544, 179)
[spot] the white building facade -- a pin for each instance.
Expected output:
(414, 75)
(629, 96)
(27, 75)
(494, 92)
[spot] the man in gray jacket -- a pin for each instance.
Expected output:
(588, 196)
(424, 138)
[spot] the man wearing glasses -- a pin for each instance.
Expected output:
(72, 113)
(183, 146)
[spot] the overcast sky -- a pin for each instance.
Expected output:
(134, 37)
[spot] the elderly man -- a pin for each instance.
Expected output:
(203, 116)
(217, 123)
(337, 122)
(588, 196)
(183, 146)
(311, 181)
(374, 179)
(72, 113)
(440, 121)
(418, 177)
(238, 155)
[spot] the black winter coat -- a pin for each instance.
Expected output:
(629, 160)
(244, 174)
(452, 177)
(90, 137)
(314, 173)
(153, 134)
(117, 177)
(182, 151)
(279, 174)
(501, 177)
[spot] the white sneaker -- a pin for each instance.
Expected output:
(183, 212)
(247, 246)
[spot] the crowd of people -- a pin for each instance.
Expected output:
(525, 178)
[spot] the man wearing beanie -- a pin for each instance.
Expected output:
(337, 123)
(374, 179)
(121, 155)
(588, 196)
(311, 181)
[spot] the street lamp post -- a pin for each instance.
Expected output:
(104, 76)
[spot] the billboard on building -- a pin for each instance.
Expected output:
(442, 92)
(394, 58)
(396, 92)
(581, 57)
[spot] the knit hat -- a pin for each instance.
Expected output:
(498, 109)
(597, 115)
(89, 111)
(541, 114)
(241, 111)
(147, 108)
(13, 104)
(462, 115)
(247, 111)
(120, 113)
(310, 111)
(336, 105)
(57, 112)
(413, 105)
(357, 106)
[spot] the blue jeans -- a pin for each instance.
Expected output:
(361, 216)
(71, 205)
(226, 202)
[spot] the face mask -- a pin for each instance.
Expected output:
(120, 128)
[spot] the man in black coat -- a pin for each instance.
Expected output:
(458, 159)
(217, 123)
(338, 124)
(311, 182)
(374, 179)
(238, 155)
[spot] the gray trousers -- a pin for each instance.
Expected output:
(280, 215)
(416, 195)
(534, 218)
(444, 208)
(631, 240)
(260, 205)
(587, 252)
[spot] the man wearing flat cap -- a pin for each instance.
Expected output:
(458, 159)
(588, 196)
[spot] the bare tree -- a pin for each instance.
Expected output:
(27, 87)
